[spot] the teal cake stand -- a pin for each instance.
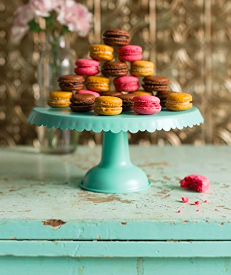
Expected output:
(115, 173)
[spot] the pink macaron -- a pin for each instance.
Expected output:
(126, 83)
(88, 92)
(198, 183)
(87, 67)
(146, 104)
(130, 53)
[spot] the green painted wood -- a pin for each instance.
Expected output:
(117, 249)
(114, 266)
(35, 188)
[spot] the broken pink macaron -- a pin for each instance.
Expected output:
(87, 67)
(198, 183)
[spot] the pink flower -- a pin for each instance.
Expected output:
(43, 7)
(76, 17)
(23, 15)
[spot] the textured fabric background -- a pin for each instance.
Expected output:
(188, 40)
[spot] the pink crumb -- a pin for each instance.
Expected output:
(179, 211)
(216, 209)
(197, 202)
(205, 201)
(198, 210)
(185, 199)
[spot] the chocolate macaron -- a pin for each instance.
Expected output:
(127, 102)
(114, 68)
(82, 102)
(155, 83)
(116, 37)
(71, 82)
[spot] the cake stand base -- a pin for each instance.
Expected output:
(115, 173)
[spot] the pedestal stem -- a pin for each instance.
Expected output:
(115, 173)
(115, 151)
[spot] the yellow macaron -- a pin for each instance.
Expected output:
(59, 99)
(179, 101)
(108, 105)
(101, 52)
(142, 93)
(98, 83)
(142, 68)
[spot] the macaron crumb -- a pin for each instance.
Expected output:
(197, 210)
(197, 202)
(216, 209)
(205, 201)
(185, 199)
(179, 211)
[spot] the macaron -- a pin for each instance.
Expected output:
(130, 53)
(116, 37)
(162, 95)
(142, 93)
(59, 99)
(146, 104)
(114, 68)
(88, 92)
(155, 83)
(71, 82)
(126, 83)
(198, 183)
(101, 52)
(98, 83)
(179, 101)
(127, 102)
(112, 94)
(108, 105)
(142, 68)
(87, 67)
(82, 102)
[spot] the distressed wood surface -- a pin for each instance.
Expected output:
(40, 197)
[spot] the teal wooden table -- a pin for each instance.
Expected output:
(48, 225)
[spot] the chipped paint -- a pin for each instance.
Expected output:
(55, 224)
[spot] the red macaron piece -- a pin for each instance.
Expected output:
(130, 53)
(126, 83)
(198, 183)
(87, 67)
(146, 104)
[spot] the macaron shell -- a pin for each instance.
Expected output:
(126, 83)
(108, 111)
(142, 93)
(88, 92)
(178, 106)
(107, 105)
(58, 103)
(142, 68)
(146, 104)
(59, 99)
(101, 52)
(87, 67)
(116, 37)
(146, 110)
(87, 70)
(195, 182)
(130, 53)
(98, 83)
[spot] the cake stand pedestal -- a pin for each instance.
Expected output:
(115, 173)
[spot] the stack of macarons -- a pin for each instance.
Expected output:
(113, 57)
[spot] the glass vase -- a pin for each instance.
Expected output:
(57, 59)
